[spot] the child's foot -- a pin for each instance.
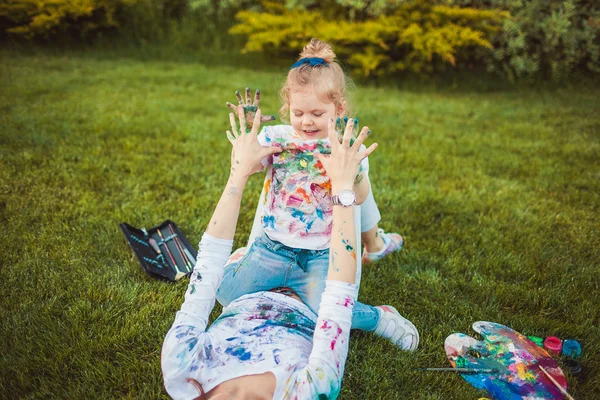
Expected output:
(398, 329)
(391, 242)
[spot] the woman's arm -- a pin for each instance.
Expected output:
(323, 374)
(342, 166)
(246, 157)
(182, 342)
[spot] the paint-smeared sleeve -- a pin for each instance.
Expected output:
(185, 340)
(322, 376)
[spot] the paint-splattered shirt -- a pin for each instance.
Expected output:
(297, 210)
(258, 333)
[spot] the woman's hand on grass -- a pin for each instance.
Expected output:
(246, 152)
(249, 106)
(343, 163)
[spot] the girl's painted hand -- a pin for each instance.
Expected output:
(340, 128)
(249, 107)
(247, 153)
(343, 163)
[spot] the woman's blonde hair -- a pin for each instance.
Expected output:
(328, 81)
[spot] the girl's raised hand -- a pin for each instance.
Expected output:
(247, 153)
(249, 107)
(343, 163)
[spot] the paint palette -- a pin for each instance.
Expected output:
(514, 358)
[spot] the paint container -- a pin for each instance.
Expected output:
(537, 340)
(553, 345)
(573, 367)
(571, 348)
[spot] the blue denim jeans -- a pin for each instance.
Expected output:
(269, 264)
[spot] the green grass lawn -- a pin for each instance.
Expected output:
(496, 194)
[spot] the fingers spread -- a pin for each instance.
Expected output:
(267, 118)
(242, 118)
(232, 106)
(339, 129)
(364, 133)
(256, 123)
(256, 98)
(248, 96)
(348, 134)
(367, 152)
(230, 137)
(273, 150)
(331, 132)
(355, 128)
(233, 124)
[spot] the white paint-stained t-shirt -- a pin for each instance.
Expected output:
(258, 333)
(297, 210)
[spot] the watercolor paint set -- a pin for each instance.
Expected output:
(163, 251)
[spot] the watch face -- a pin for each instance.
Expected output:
(347, 197)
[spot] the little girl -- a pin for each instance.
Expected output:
(293, 251)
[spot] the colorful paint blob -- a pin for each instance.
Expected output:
(515, 358)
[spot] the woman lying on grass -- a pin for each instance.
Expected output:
(265, 345)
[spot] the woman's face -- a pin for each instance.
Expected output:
(309, 114)
(249, 387)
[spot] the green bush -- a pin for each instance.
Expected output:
(40, 18)
(549, 37)
(418, 36)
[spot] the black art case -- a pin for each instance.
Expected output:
(163, 251)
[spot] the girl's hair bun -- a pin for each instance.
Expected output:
(317, 48)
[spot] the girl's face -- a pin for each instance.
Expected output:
(309, 114)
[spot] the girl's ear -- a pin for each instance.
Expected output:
(341, 109)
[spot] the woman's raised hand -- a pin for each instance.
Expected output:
(343, 163)
(249, 107)
(247, 153)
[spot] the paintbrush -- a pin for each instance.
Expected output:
(180, 249)
(463, 370)
(178, 273)
(562, 389)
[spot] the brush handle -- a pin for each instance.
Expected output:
(462, 370)
(558, 385)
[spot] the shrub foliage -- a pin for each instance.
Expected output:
(39, 18)
(518, 38)
(417, 36)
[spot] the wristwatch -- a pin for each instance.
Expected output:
(346, 198)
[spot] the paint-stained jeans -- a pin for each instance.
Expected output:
(270, 264)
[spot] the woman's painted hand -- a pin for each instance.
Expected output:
(343, 163)
(247, 153)
(249, 107)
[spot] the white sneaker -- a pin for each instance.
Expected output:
(398, 329)
(391, 242)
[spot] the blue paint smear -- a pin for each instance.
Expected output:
(269, 221)
(302, 217)
(320, 214)
(192, 343)
(239, 352)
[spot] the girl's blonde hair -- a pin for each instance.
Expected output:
(329, 82)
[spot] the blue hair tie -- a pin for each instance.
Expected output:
(313, 61)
